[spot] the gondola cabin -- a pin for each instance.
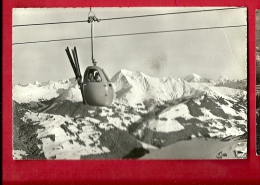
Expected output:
(97, 90)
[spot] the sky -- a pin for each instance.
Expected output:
(208, 53)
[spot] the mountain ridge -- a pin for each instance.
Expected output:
(147, 111)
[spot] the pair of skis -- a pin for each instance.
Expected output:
(75, 64)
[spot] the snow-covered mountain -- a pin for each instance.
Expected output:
(147, 112)
(37, 83)
(196, 78)
(235, 84)
(222, 79)
(38, 92)
(135, 87)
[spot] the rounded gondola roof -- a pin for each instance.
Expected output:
(94, 67)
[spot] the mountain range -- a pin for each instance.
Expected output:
(148, 113)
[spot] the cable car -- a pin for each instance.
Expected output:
(96, 88)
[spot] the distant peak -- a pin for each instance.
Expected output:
(37, 83)
(126, 72)
(223, 77)
(50, 82)
(196, 78)
(192, 77)
(195, 75)
(130, 73)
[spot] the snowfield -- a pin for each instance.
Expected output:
(63, 139)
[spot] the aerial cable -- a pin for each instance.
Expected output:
(129, 34)
(173, 13)
(116, 18)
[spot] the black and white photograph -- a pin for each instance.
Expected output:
(258, 82)
(145, 83)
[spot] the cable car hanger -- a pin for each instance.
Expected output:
(91, 19)
(96, 88)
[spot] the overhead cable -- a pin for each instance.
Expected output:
(128, 34)
(130, 17)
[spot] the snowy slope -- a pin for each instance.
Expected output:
(64, 138)
(218, 115)
(72, 94)
(223, 91)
